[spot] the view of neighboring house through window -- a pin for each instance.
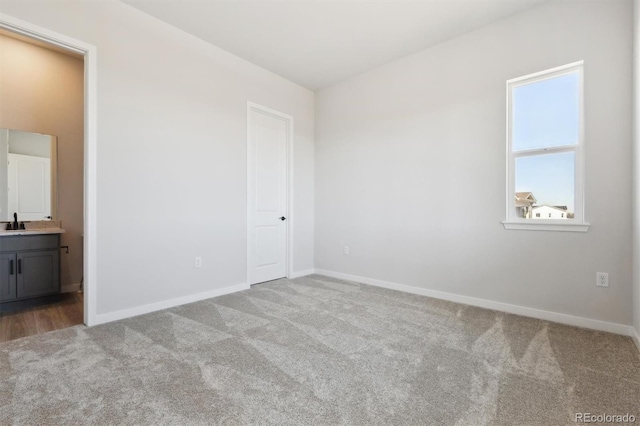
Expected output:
(545, 146)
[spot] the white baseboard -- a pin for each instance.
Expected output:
(165, 304)
(635, 336)
(298, 274)
(610, 327)
(70, 288)
(592, 324)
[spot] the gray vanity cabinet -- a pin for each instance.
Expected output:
(38, 273)
(29, 266)
(7, 277)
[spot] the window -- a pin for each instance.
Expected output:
(545, 146)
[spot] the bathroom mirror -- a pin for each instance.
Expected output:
(28, 176)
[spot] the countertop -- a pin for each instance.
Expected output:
(40, 231)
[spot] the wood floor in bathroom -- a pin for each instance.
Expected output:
(40, 319)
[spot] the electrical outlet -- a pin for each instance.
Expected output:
(346, 249)
(198, 262)
(602, 279)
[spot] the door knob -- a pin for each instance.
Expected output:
(283, 218)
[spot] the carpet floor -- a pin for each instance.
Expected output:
(319, 351)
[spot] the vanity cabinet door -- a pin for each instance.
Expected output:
(7, 277)
(38, 273)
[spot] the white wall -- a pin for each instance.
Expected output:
(410, 167)
(636, 170)
(164, 95)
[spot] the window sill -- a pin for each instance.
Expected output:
(539, 225)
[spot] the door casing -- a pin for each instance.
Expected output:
(251, 106)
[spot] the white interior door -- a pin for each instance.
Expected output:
(29, 184)
(267, 182)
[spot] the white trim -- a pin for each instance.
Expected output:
(578, 224)
(540, 225)
(70, 288)
(40, 34)
(592, 324)
(299, 274)
(550, 150)
(289, 213)
(290, 216)
(542, 75)
(635, 336)
(166, 304)
(90, 146)
(635, 291)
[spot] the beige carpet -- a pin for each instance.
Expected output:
(314, 351)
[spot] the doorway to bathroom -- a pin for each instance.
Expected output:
(50, 79)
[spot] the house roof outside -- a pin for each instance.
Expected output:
(524, 199)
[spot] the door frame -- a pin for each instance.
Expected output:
(89, 51)
(252, 106)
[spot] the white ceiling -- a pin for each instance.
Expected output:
(317, 43)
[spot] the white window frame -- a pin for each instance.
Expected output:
(578, 223)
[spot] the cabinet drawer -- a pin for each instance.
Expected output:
(29, 242)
